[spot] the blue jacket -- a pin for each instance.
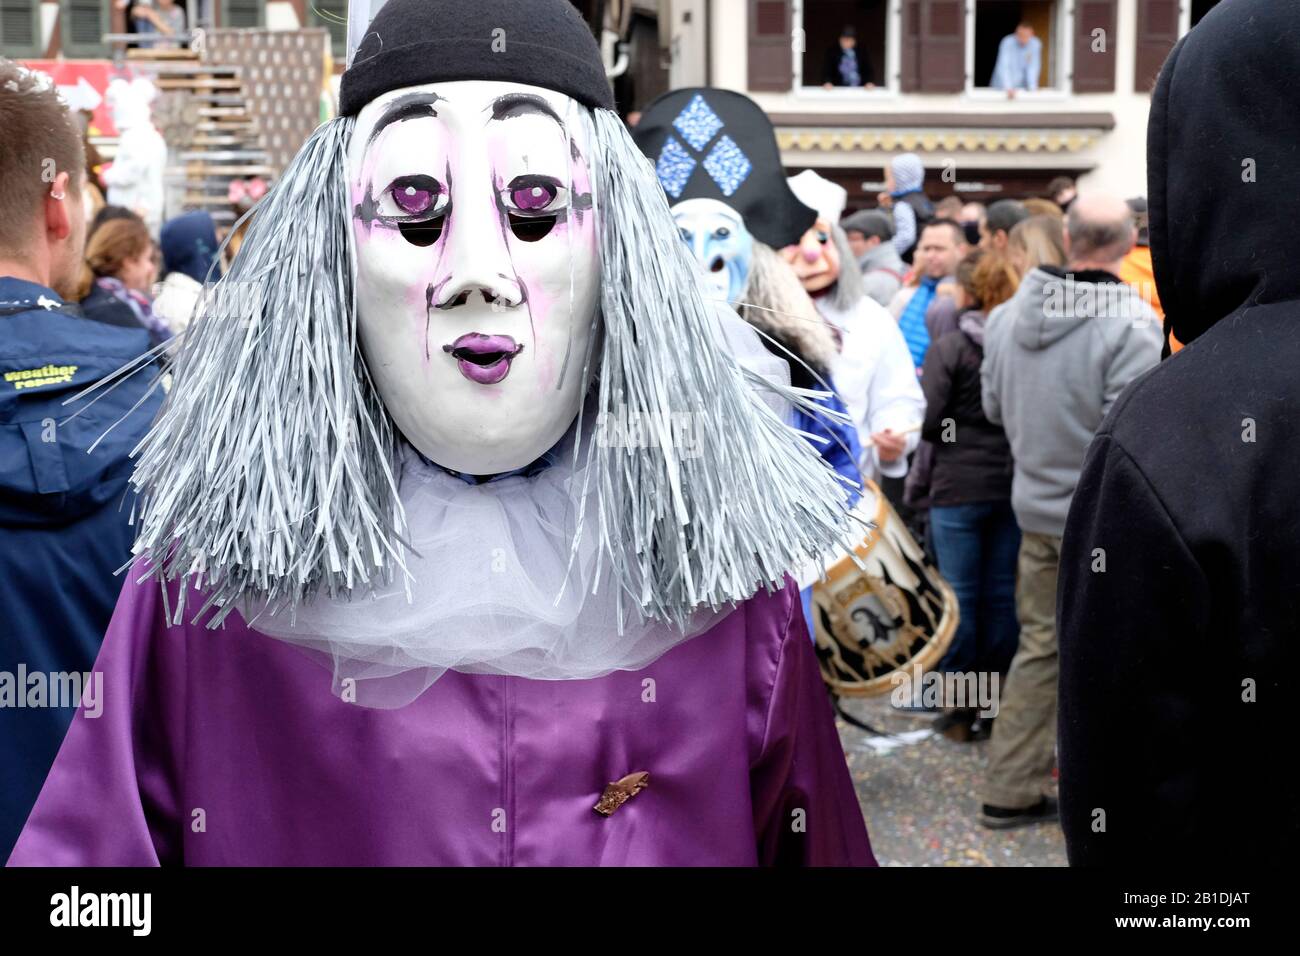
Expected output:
(842, 451)
(64, 513)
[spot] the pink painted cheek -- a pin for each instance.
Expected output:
(541, 303)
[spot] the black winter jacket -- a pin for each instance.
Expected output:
(1179, 598)
(972, 459)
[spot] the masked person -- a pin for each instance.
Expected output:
(875, 370)
(716, 204)
(485, 433)
(713, 211)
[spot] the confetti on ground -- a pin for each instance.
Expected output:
(920, 796)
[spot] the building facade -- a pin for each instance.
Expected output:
(930, 64)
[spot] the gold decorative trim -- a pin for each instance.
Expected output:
(930, 141)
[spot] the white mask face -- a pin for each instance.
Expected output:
(478, 271)
(720, 243)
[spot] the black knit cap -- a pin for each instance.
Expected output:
(709, 143)
(541, 43)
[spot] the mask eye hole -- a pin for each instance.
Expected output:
(531, 228)
(422, 233)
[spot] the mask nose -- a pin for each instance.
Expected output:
(811, 249)
(503, 293)
(475, 264)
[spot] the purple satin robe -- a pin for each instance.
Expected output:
(739, 741)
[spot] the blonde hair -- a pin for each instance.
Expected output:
(110, 247)
(1041, 239)
(1042, 207)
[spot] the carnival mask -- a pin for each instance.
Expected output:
(815, 259)
(477, 266)
(721, 244)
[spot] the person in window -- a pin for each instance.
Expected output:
(1020, 57)
(846, 65)
(168, 19)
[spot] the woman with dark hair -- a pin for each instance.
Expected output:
(118, 276)
(975, 535)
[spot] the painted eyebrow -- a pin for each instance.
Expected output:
(518, 104)
(409, 106)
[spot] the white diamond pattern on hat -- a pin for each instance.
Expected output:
(674, 167)
(698, 123)
(728, 165)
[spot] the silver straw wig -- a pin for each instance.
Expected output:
(758, 501)
(270, 475)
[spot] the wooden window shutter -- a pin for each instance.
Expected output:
(771, 58)
(933, 46)
(20, 28)
(243, 13)
(1157, 32)
(82, 25)
(1094, 71)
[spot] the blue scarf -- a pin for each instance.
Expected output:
(849, 69)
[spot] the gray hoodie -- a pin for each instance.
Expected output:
(1056, 356)
(882, 272)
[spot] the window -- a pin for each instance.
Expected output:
(243, 13)
(82, 25)
(333, 16)
(20, 28)
(1041, 24)
(823, 64)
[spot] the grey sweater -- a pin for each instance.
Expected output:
(1056, 356)
(882, 272)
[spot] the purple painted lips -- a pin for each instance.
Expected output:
(484, 359)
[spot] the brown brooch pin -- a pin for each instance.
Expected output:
(620, 792)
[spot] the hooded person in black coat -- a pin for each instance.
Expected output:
(1180, 572)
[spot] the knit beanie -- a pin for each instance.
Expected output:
(543, 43)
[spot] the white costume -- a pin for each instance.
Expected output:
(135, 180)
(874, 373)
(876, 379)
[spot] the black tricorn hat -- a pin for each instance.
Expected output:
(542, 43)
(715, 144)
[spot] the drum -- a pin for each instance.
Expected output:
(895, 615)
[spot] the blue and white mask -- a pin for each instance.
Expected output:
(720, 243)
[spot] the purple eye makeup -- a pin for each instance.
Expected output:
(533, 205)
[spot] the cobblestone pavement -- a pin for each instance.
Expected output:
(920, 797)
